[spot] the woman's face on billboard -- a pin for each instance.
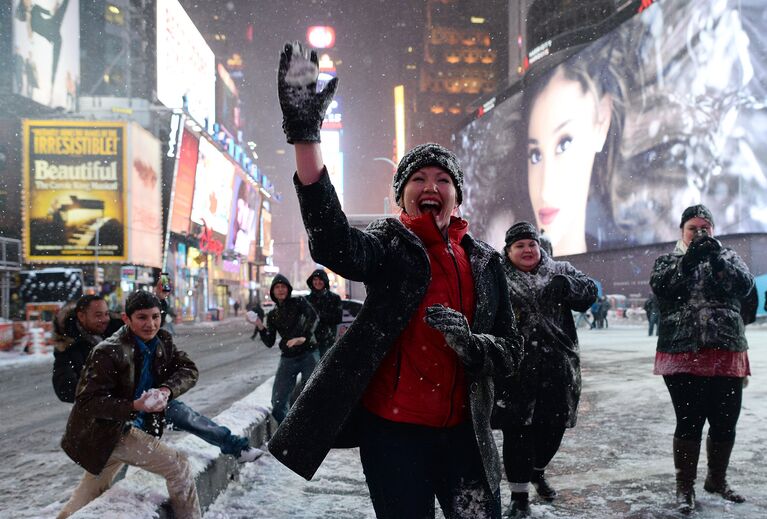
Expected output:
(567, 127)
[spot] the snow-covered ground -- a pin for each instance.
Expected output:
(616, 463)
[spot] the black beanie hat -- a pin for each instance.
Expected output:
(423, 155)
(700, 211)
(522, 231)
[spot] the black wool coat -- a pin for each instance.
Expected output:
(547, 388)
(393, 264)
(701, 308)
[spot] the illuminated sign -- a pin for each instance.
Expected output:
(75, 190)
(321, 37)
(186, 67)
(213, 188)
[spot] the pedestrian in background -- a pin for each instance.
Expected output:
(294, 319)
(536, 406)
(410, 382)
(702, 350)
(328, 307)
(651, 309)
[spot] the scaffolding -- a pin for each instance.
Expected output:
(10, 261)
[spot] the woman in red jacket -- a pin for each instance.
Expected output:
(410, 382)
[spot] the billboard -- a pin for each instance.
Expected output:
(212, 188)
(244, 212)
(184, 184)
(606, 148)
(46, 51)
(186, 67)
(74, 191)
(145, 200)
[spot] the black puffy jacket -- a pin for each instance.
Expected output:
(701, 308)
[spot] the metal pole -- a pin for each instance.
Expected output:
(96, 258)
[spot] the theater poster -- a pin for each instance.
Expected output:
(74, 191)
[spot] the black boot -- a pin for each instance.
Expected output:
(520, 506)
(718, 460)
(542, 486)
(686, 453)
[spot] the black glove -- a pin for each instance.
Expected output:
(455, 327)
(700, 249)
(303, 108)
(718, 263)
(556, 290)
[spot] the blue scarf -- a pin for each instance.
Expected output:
(146, 378)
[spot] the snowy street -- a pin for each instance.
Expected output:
(616, 463)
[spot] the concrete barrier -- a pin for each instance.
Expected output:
(142, 495)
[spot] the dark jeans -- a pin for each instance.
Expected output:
(285, 380)
(528, 447)
(406, 466)
(653, 323)
(186, 419)
(697, 399)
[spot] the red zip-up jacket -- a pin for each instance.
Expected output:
(421, 380)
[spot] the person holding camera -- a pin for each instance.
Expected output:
(702, 351)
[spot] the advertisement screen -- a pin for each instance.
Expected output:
(184, 185)
(186, 67)
(212, 189)
(74, 191)
(606, 148)
(242, 225)
(46, 51)
(145, 201)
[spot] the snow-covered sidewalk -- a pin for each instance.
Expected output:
(616, 463)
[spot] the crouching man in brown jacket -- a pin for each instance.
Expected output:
(119, 411)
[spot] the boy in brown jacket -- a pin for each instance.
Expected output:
(118, 415)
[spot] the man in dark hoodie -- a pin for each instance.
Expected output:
(328, 307)
(80, 326)
(295, 320)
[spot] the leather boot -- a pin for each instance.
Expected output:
(542, 486)
(520, 506)
(686, 454)
(718, 460)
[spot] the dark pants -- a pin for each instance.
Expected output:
(697, 399)
(285, 380)
(184, 418)
(529, 447)
(406, 466)
(653, 323)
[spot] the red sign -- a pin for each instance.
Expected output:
(208, 243)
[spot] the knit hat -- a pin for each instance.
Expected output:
(522, 231)
(700, 211)
(423, 155)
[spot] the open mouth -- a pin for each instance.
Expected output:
(430, 206)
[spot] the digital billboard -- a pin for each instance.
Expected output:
(605, 149)
(145, 200)
(212, 188)
(244, 216)
(183, 191)
(46, 51)
(74, 191)
(186, 67)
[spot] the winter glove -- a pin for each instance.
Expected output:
(556, 290)
(303, 108)
(455, 327)
(718, 263)
(699, 250)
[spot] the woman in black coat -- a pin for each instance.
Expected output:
(470, 336)
(536, 406)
